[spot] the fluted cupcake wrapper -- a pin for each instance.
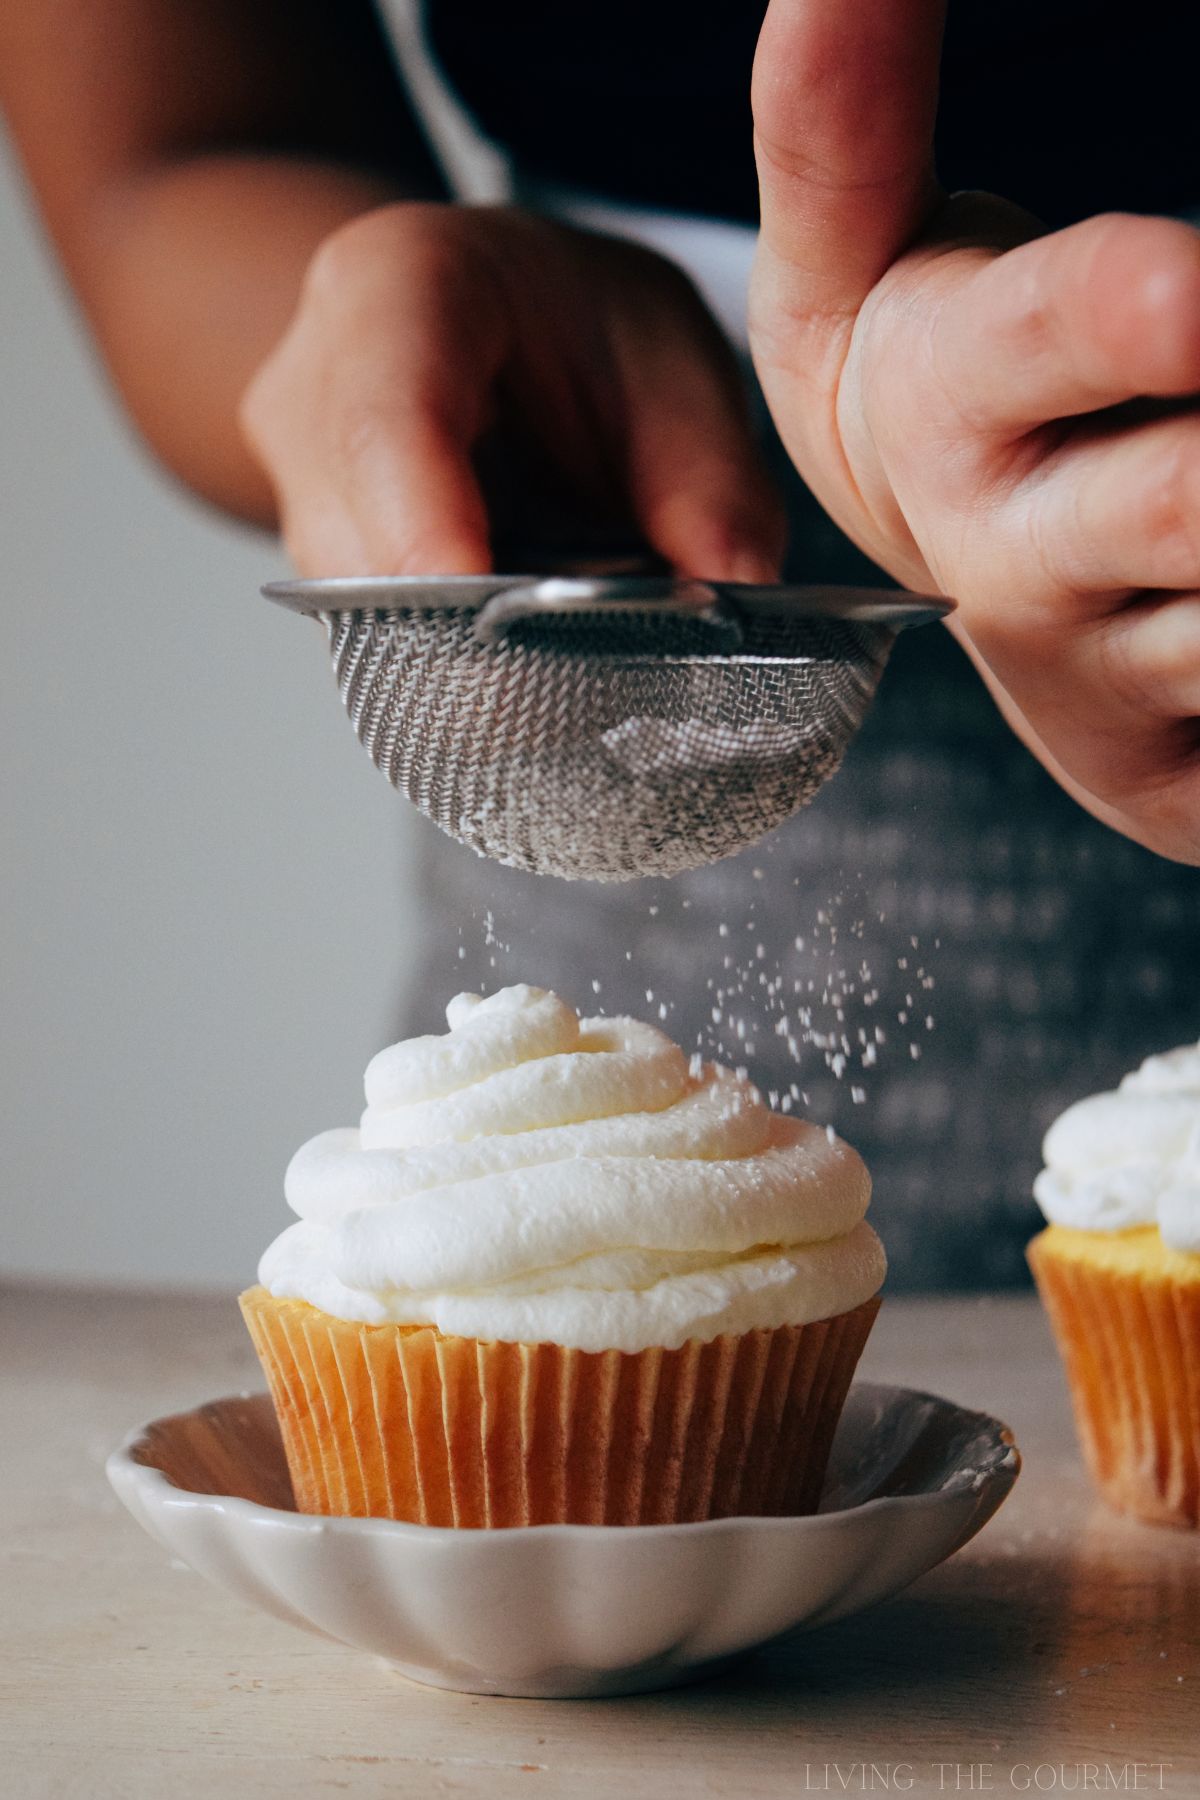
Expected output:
(404, 1422)
(1126, 1316)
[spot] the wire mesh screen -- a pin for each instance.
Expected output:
(591, 749)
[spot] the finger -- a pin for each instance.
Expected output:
(411, 387)
(1138, 773)
(1112, 514)
(1086, 318)
(1151, 652)
(704, 502)
(319, 535)
(698, 486)
(395, 366)
(413, 495)
(388, 490)
(369, 478)
(844, 100)
(710, 514)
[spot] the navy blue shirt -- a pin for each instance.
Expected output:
(1068, 107)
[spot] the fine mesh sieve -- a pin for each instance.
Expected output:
(602, 728)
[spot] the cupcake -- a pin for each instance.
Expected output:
(561, 1274)
(1118, 1267)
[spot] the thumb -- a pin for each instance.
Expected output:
(844, 98)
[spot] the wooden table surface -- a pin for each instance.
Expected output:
(1058, 1653)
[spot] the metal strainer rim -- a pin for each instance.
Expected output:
(424, 593)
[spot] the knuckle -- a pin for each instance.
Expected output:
(1123, 669)
(363, 243)
(1110, 236)
(333, 260)
(1144, 652)
(1171, 515)
(1029, 323)
(1103, 227)
(1154, 263)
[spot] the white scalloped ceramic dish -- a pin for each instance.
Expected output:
(558, 1610)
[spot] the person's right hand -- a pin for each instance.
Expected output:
(1005, 415)
(453, 374)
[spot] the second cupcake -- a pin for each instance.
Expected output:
(1118, 1267)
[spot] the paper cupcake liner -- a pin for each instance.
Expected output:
(1125, 1310)
(402, 1422)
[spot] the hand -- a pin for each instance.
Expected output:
(452, 373)
(1005, 416)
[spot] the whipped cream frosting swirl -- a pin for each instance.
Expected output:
(534, 1177)
(1116, 1161)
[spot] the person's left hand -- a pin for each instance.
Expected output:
(454, 376)
(1004, 416)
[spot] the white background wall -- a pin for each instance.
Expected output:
(204, 916)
